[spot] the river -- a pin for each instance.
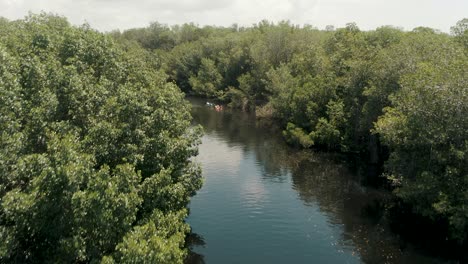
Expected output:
(264, 202)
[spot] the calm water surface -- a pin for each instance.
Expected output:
(263, 202)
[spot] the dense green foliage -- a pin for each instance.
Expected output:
(367, 92)
(96, 145)
(95, 149)
(427, 131)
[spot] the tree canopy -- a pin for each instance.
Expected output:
(96, 142)
(379, 93)
(96, 147)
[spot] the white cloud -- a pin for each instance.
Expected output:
(368, 14)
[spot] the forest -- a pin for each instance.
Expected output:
(95, 149)
(394, 97)
(97, 142)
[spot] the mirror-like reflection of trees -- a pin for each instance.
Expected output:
(320, 179)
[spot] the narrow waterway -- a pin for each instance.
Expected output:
(264, 202)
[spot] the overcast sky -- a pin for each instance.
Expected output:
(107, 15)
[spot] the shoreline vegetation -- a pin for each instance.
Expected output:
(396, 99)
(96, 141)
(95, 149)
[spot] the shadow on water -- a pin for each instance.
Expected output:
(194, 240)
(319, 179)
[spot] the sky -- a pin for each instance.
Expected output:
(106, 15)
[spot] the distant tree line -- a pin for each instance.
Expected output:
(384, 93)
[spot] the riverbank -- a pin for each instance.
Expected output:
(390, 95)
(378, 208)
(261, 195)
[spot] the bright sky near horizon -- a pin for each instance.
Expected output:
(106, 15)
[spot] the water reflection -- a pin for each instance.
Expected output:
(194, 240)
(259, 181)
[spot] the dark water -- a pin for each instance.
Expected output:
(263, 202)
